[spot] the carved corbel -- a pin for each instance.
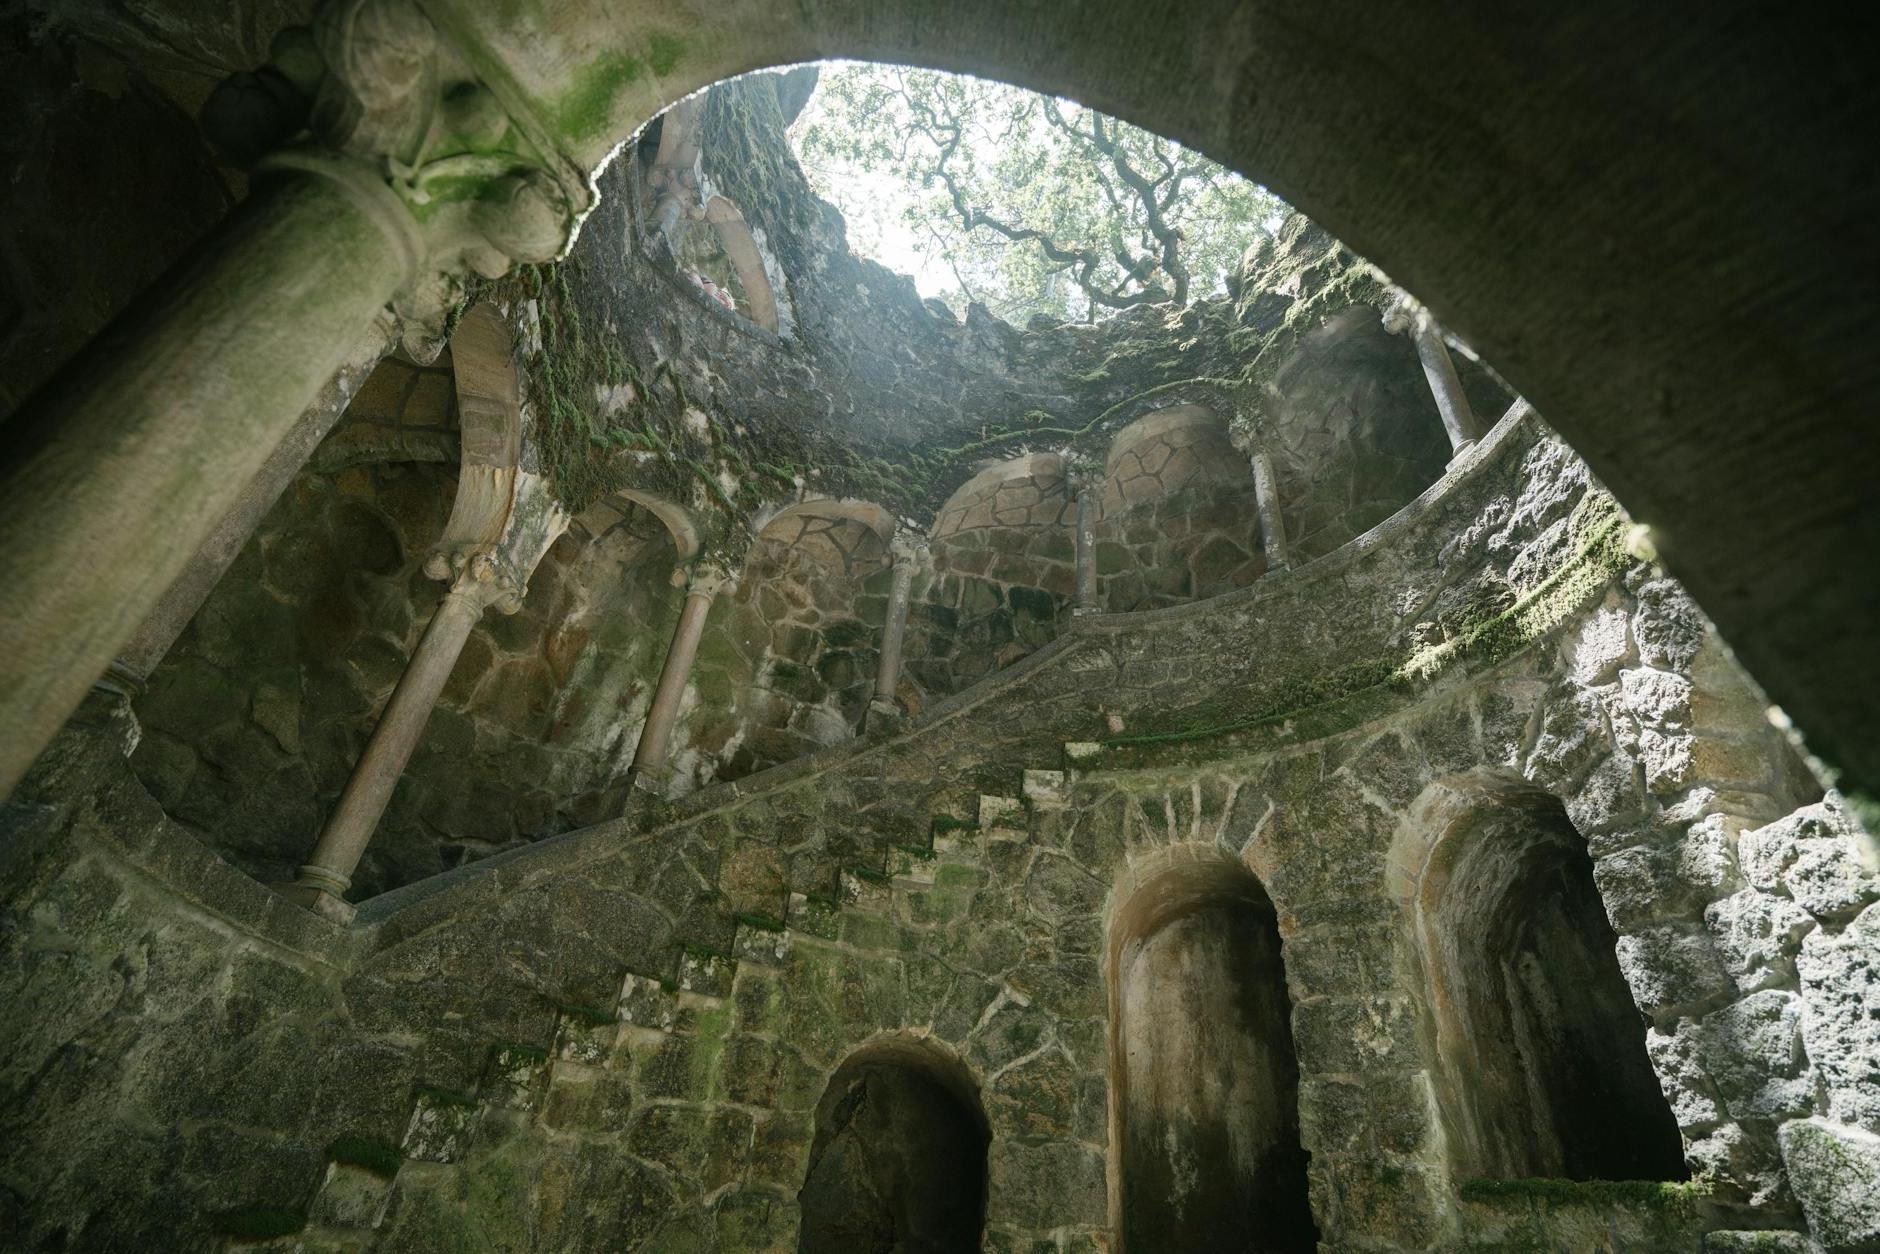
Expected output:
(372, 93)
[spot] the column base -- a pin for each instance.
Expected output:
(318, 899)
(1085, 611)
(1461, 451)
(883, 717)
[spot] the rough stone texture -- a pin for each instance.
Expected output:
(1836, 1173)
(641, 1059)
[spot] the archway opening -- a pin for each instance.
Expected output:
(899, 1158)
(1205, 1082)
(1537, 1051)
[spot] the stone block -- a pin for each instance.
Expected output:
(514, 1077)
(586, 1038)
(1046, 790)
(648, 1003)
(706, 972)
(911, 865)
(815, 915)
(1835, 1173)
(1002, 818)
(1673, 969)
(350, 1197)
(1610, 800)
(1758, 936)
(1840, 976)
(441, 1126)
(759, 943)
(1819, 856)
(1043, 1184)
(1752, 1051)
(1757, 1241)
(1677, 1058)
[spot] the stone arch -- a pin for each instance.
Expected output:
(615, 509)
(848, 535)
(898, 1161)
(489, 405)
(1177, 515)
(747, 261)
(1536, 1051)
(1204, 1081)
(1004, 572)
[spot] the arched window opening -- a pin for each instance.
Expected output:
(898, 1162)
(1205, 1082)
(1537, 1052)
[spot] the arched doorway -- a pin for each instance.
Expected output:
(1204, 1081)
(898, 1163)
(1536, 1050)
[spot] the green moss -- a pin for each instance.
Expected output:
(920, 853)
(375, 1155)
(586, 109)
(663, 52)
(259, 1223)
(706, 952)
(947, 823)
(868, 875)
(761, 922)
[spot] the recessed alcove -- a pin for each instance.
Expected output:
(1535, 1048)
(1204, 1080)
(899, 1158)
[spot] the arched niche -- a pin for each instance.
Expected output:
(1177, 515)
(794, 640)
(1004, 572)
(898, 1162)
(1204, 1082)
(1535, 1048)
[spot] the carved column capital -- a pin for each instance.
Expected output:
(708, 581)
(907, 550)
(372, 93)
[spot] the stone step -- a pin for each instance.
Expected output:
(1003, 818)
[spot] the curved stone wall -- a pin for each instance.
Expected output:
(649, 1013)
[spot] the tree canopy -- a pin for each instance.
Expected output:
(1032, 205)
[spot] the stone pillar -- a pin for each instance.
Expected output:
(327, 873)
(113, 483)
(117, 473)
(1086, 547)
(151, 641)
(1266, 500)
(884, 706)
(649, 757)
(1452, 404)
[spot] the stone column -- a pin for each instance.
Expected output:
(116, 480)
(118, 472)
(151, 641)
(1452, 404)
(702, 588)
(1266, 500)
(327, 873)
(884, 706)
(1086, 547)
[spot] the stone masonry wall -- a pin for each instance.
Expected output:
(617, 1039)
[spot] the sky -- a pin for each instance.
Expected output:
(873, 204)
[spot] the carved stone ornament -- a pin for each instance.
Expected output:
(371, 88)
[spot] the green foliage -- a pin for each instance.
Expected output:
(259, 1223)
(379, 1157)
(1035, 205)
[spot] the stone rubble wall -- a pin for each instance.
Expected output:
(621, 1033)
